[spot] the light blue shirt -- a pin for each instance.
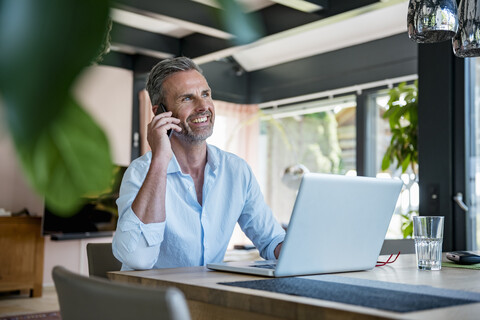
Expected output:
(192, 234)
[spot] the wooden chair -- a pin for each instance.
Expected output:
(101, 259)
(95, 298)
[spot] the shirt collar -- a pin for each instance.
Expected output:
(173, 165)
(212, 157)
(212, 161)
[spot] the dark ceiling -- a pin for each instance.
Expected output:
(202, 32)
(343, 44)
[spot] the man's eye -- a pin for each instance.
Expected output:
(206, 94)
(187, 99)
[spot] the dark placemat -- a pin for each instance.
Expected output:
(365, 296)
(53, 315)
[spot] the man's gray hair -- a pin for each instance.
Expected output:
(162, 71)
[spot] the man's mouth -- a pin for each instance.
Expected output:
(200, 120)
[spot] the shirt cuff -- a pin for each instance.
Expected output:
(270, 252)
(152, 232)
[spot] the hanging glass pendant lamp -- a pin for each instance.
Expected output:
(466, 42)
(432, 21)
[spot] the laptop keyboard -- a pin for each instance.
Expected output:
(264, 266)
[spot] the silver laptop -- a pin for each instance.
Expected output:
(338, 224)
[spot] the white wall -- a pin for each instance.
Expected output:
(71, 254)
(15, 193)
(106, 93)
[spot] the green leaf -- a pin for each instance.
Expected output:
(386, 161)
(246, 27)
(414, 114)
(392, 109)
(405, 163)
(408, 230)
(70, 160)
(401, 112)
(394, 96)
(394, 118)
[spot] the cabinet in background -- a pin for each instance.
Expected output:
(21, 254)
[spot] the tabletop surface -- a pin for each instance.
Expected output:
(202, 285)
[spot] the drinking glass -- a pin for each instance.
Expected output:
(428, 235)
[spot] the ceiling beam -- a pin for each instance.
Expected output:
(187, 14)
(197, 45)
(143, 42)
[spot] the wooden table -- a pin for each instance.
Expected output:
(209, 300)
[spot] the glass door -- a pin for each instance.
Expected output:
(472, 68)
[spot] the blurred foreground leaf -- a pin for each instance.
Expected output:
(246, 27)
(44, 45)
(70, 159)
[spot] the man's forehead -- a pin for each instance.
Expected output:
(186, 75)
(186, 81)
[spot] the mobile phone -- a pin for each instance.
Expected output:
(161, 108)
(463, 257)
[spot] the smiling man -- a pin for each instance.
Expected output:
(179, 203)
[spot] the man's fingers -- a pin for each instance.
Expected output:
(160, 121)
(162, 115)
(166, 125)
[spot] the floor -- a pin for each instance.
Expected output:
(17, 303)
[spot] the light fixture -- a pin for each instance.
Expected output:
(292, 175)
(431, 21)
(466, 42)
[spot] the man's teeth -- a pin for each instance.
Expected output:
(199, 120)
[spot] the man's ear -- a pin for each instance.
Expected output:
(154, 109)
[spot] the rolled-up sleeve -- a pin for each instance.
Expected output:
(135, 243)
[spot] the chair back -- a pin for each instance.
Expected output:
(101, 259)
(95, 298)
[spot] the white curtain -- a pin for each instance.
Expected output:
(237, 130)
(145, 116)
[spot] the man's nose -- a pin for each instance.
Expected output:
(201, 105)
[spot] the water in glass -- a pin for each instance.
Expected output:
(429, 253)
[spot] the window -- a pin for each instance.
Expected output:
(473, 220)
(319, 136)
(379, 129)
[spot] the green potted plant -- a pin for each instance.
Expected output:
(402, 114)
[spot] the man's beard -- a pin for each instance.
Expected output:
(188, 135)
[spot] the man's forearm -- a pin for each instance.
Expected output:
(149, 204)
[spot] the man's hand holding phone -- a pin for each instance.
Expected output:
(160, 130)
(161, 109)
